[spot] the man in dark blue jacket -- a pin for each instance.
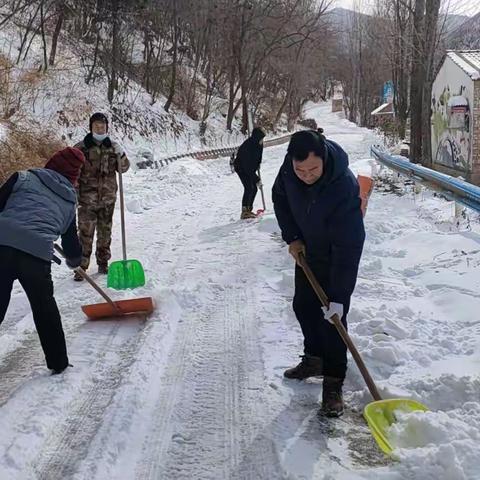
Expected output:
(36, 207)
(246, 164)
(317, 204)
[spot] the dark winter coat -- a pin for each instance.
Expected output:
(327, 217)
(36, 207)
(249, 155)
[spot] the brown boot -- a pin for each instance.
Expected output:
(309, 367)
(332, 398)
(77, 277)
(247, 213)
(103, 269)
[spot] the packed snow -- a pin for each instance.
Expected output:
(197, 391)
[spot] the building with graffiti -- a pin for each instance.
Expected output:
(456, 115)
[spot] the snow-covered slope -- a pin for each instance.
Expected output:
(59, 102)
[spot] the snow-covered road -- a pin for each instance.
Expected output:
(196, 391)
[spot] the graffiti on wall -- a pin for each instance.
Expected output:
(451, 123)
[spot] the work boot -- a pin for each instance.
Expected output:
(332, 397)
(103, 269)
(247, 213)
(77, 277)
(308, 367)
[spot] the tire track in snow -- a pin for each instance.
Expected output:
(206, 423)
(101, 429)
(89, 422)
(201, 444)
(259, 457)
(19, 364)
(16, 368)
(172, 381)
(62, 453)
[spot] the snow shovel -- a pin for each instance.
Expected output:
(260, 185)
(124, 273)
(366, 188)
(379, 414)
(111, 309)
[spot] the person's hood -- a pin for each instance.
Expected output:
(257, 134)
(56, 182)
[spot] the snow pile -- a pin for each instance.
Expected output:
(427, 429)
(439, 444)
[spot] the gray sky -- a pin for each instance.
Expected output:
(460, 7)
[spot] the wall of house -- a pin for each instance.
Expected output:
(453, 108)
(476, 135)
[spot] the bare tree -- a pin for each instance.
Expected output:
(60, 8)
(175, 37)
(425, 40)
(394, 31)
(258, 58)
(361, 69)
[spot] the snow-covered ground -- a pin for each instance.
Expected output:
(196, 390)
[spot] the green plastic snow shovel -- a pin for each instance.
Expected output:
(124, 273)
(380, 414)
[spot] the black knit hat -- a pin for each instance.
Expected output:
(98, 117)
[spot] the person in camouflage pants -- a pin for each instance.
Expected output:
(97, 191)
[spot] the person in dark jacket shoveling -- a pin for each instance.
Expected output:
(36, 207)
(317, 205)
(246, 164)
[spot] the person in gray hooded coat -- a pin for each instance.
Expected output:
(36, 207)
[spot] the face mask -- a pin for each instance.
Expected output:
(100, 137)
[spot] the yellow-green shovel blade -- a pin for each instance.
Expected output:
(381, 414)
(125, 274)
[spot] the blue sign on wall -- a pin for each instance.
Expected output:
(388, 92)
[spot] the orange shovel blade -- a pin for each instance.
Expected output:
(366, 188)
(133, 306)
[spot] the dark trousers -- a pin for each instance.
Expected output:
(321, 338)
(34, 274)
(249, 182)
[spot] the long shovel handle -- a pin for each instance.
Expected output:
(122, 209)
(341, 329)
(90, 280)
(261, 191)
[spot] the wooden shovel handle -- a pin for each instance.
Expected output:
(341, 329)
(90, 280)
(122, 209)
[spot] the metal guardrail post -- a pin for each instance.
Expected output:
(458, 210)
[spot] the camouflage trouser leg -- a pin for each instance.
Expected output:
(87, 221)
(104, 234)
